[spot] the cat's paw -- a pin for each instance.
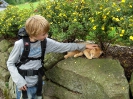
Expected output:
(75, 55)
(65, 56)
(89, 57)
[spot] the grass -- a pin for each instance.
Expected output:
(25, 6)
(28, 5)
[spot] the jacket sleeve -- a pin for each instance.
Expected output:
(54, 46)
(13, 58)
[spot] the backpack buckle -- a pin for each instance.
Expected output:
(30, 73)
(27, 46)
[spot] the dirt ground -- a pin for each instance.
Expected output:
(125, 57)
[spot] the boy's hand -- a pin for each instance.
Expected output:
(24, 88)
(91, 46)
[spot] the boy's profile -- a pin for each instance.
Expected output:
(37, 28)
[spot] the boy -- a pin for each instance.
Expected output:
(37, 28)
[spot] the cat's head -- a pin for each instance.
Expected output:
(96, 52)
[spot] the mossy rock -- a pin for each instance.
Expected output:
(94, 79)
(51, 59)
(4, 45)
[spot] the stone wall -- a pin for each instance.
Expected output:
(5, 48)
(73, 78)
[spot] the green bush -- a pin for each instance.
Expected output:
(11, 20)
(112, 22)
(68, 19)
(101, 21)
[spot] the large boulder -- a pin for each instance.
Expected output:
(80, 78)
(51, 59)
(12, 89)
(4, 74)
(4, 45)
(3, 59)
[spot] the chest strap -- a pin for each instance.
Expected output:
(27, 60)
(31, 72)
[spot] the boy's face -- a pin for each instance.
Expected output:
(40, 36)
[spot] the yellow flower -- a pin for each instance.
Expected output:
(123, 1)
(75, 20)
(114, 4)
(121, 34)
(117, 19)
(131, 38)
(130, 25)
(118, 9)
(60, 14)
(49, 7)
(130, 6)
(83, 1)
(64, 15)
(104, 17)
(98, 13)
(113, 18)
(121, 18)
(102, 28)
(131, 20)
(108, 13)
(101, 7)
(92, 20)
(74, 13)
(122, 31)
(94, 27)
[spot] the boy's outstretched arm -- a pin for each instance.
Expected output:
(91, 46)
(55, 46)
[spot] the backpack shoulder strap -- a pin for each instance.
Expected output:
(43, 47)
(24, 56)
(41, 70)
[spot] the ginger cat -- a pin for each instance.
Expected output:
(89, 53)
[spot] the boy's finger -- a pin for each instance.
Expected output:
(95, 46)
(24, 87)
